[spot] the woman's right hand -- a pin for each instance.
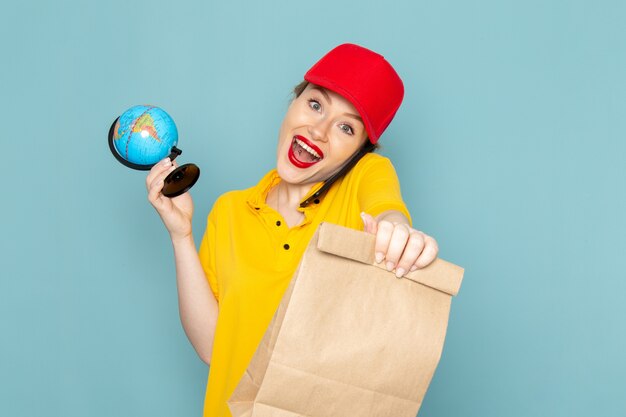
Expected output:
(176, 212)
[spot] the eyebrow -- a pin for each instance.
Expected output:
(355, 116)
(325, 94)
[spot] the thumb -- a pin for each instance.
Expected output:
(369, 223)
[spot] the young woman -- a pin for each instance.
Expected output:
(229, 289)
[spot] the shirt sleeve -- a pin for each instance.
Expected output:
(379, 188)
(206, 252)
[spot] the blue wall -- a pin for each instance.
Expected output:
(510, 149)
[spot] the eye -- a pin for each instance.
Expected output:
(315, 105)
(346, 129)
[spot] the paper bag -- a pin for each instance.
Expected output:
(349, 338)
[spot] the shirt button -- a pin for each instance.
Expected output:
(277, 222)
(286, 246)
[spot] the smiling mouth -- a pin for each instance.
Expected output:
(303, 153)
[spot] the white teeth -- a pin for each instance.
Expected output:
(308, 148)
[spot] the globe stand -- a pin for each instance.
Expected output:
(180, 180)
(176, 183)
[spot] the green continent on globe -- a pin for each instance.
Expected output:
(144, 125)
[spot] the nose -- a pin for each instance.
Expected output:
(319, 130)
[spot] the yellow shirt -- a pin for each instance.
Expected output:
(249, 256)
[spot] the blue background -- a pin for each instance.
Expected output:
(509, 146)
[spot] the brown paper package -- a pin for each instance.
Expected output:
(349, 338)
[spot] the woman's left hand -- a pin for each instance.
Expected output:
(402, 248)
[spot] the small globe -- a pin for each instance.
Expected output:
(143, 135)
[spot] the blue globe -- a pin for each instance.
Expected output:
(143, 135)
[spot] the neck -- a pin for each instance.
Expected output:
(291, 195)
(285, 198)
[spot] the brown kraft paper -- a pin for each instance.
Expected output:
(349, 338)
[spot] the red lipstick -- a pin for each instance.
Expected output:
(303, 153)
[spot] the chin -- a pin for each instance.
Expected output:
(293, 175)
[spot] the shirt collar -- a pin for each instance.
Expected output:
(258, 193)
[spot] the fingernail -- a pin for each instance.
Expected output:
(379, 257)
(400, 272)
(389, 266)
(413, 268)
(167, 161)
